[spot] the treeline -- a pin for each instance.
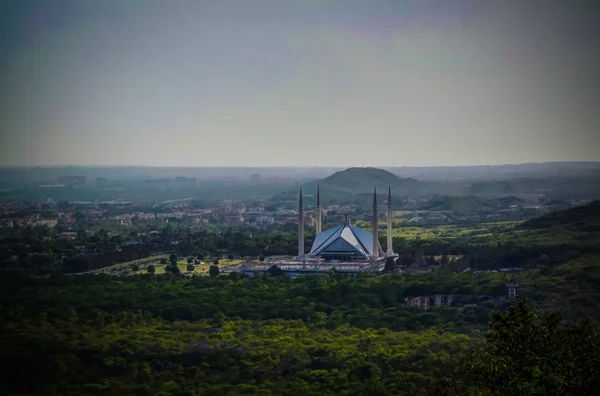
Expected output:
(39, 251)
(364, 301)
(322, 335)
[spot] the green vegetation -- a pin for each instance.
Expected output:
(583, 185)
(40, 251)
(525, 354)
(146, 192)
(318, 332)
(141, 263)
(467, 204)
(361, 181)
(155, 335)
(355, 185)
(158, 332)
(584, 218)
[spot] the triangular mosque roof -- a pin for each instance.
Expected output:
(344, 237)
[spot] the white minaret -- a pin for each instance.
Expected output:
(390, 219)
(300, 228)
(374, 224)
(318, 230)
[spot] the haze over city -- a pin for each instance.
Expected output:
(298, 83)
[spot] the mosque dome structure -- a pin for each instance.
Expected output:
(345, 243)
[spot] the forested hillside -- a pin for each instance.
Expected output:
(466, 204)
(584, 218)
(315, 335)
(162, 335)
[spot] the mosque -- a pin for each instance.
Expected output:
(344, 248)
(345, 243)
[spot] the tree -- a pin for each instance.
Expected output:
(261, 258)
(190, 267)
(390, 265)
(216, 262)
(151, 269)
(174, 269)
(213, 271)
(135, 267)
(274, 270)
(163, 260)
(190, 260)
(81, 235)
(173, 259)
(524, 354)
(445, 260)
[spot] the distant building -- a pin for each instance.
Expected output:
(264, 220)
(347, 242)
(119, 220)
(344, 248)
(512, 285)
(443, 299)
(420, 301)
(235, 219)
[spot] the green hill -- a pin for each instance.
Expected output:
(466, 204)
(582, 218)
(353, 182)
(354, 185)
(362, 180)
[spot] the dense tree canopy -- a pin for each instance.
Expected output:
(319, 335)
(524, 354)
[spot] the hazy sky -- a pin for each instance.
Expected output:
(306, 82)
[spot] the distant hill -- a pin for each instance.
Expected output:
(585, 185)
(353, 182)
(466, 204)
(498, 172)
(353, 185)
(362, 180)
(582, 218)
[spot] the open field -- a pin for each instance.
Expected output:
(442, 230)
(199, 269)
(403, 212)
(453, 230)
(141, 262)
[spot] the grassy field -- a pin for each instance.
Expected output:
(443, 230)
(403, 212)
(199, 269)
(453, 230)
(141, 262)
